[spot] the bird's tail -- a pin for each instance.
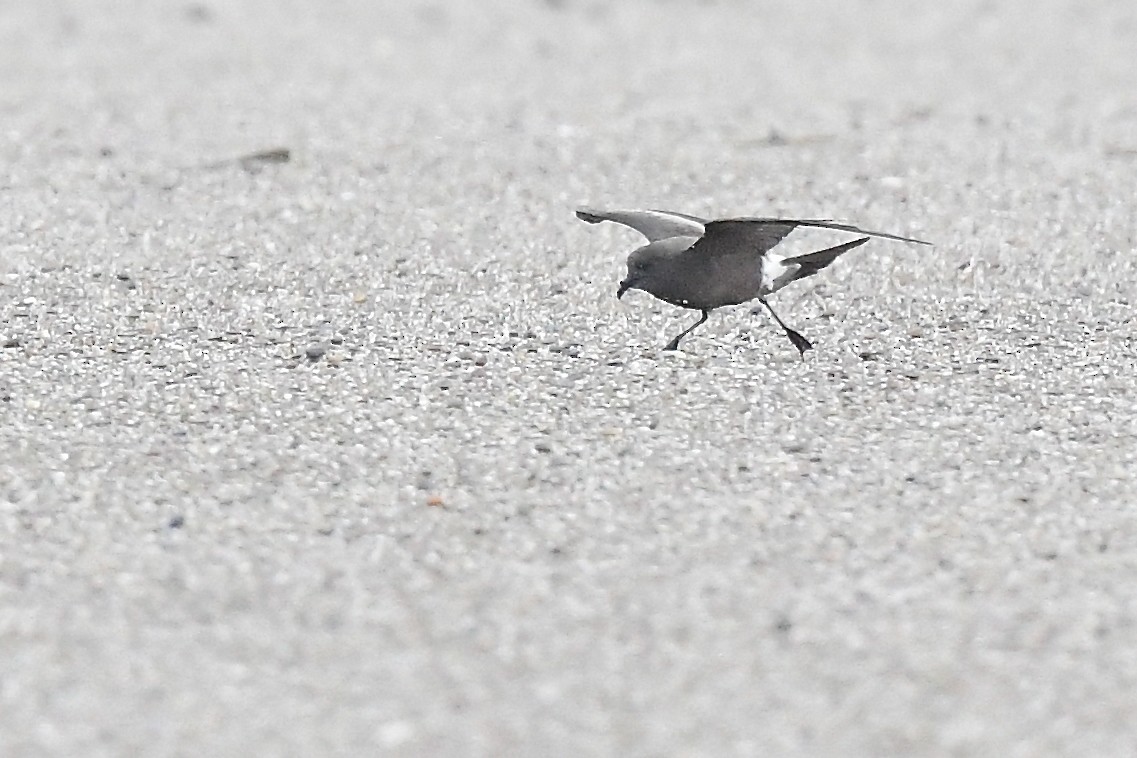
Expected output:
(811, 263)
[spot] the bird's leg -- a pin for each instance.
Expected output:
(800, 342)
(674, 344)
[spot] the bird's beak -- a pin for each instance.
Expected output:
(624, 287)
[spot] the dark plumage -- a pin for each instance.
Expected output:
(703, 265)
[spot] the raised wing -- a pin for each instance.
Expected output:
(757, 236)
(738, 236)
(655, 225)
(824, 223)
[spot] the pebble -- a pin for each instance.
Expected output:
(316, 350)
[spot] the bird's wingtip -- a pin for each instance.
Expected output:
(591, 215)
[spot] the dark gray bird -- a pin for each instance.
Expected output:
(703, 265)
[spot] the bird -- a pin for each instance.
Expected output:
(705, 264)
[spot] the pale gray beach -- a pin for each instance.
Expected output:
(323, 432)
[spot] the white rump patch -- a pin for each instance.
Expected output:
(776, 273)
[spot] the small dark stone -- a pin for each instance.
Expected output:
(316, 351)
(198, 13)
(177, 522)
(253, 162)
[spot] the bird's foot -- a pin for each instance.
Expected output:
(672, 345)
(800, 342)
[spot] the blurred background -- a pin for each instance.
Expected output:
(1005, 131)
(322, 431)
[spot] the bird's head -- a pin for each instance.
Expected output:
(642, 264)
(660, 269)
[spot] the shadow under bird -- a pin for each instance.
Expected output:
(702, 265)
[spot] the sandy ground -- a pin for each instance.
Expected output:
(358, 454)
